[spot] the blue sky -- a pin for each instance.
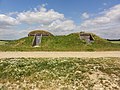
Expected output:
(59, 17)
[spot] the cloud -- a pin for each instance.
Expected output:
(13, 13)
(42, 16)
(47, 20)
(62, 25)
(110, 16)
(7, 21)
(85, 15)
(13, 33)
(108, 22)
(8, 34)
(59, 27)
(105, 4)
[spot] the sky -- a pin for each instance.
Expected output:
(60, 17)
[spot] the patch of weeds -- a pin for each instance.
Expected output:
(52, 73)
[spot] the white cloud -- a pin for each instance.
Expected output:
(105, 4)
(110, 16)
(13, 33)
(47, 20)
(41, 19)
(85, 15)
(13, 13)
(114, 13)
(63, 25)
(8, 34)
(7, 21)
(41, 16)
(59, 27)
(105, 23)
(45, 4)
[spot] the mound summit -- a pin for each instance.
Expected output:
(40, 32)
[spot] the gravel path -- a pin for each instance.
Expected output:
(59, 54)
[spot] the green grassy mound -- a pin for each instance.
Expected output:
(70, 42)
(60, 74)
(3, 42)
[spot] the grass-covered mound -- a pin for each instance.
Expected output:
(60, 74)
(69, 42)
(2, 42)
(39, 32)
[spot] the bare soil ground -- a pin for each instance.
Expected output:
(59, 54)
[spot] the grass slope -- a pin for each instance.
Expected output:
(2, 42)
(60, 74)
(115, 42)
(61, 43)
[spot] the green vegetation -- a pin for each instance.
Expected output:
(118, 42)
(60, 74)
(3, 42)
(70, 42)
(46, 33)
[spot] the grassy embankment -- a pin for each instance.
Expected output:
(3, 42)
(118, 42)
(61, 43)
(60, 74)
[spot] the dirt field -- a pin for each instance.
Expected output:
(59, 54)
